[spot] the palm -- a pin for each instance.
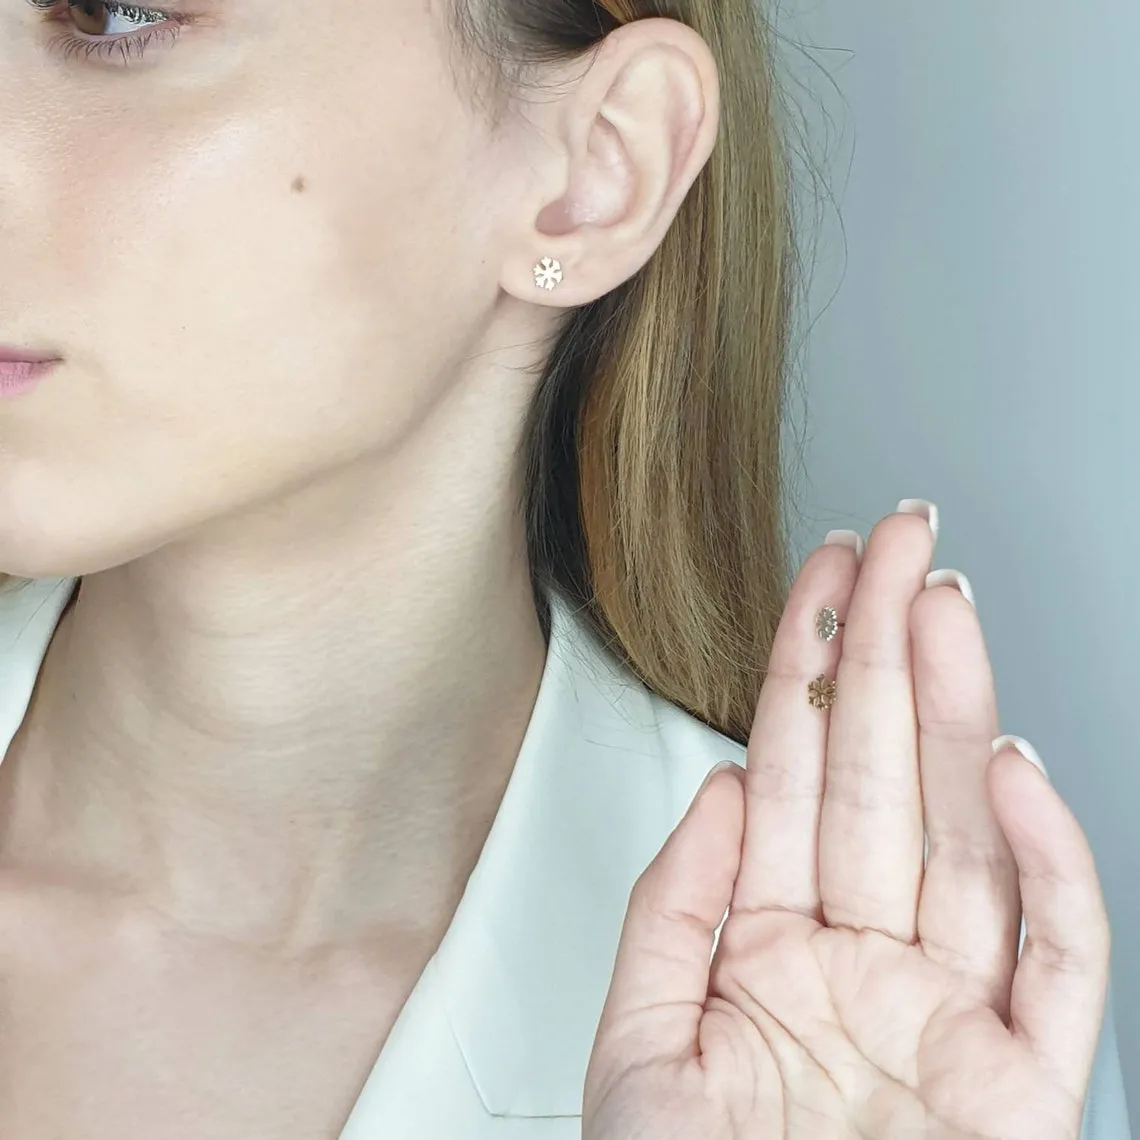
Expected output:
(917, 1057)
(856, 989)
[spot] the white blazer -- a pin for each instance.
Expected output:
(494, 1040)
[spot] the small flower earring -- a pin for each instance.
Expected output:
(547, 273)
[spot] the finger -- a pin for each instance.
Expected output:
(779, 867)
(1061, 980)
(969, 913)
(661, 974)
(871, 835)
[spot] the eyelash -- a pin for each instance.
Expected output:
(162, 25)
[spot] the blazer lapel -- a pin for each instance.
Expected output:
(604, 773)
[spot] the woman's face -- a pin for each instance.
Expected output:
(264, 249)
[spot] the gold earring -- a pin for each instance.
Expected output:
(547, 273)
(822, 692)
(827, 623)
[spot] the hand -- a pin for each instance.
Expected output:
(853, 993)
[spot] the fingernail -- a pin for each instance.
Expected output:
(712, 772)
(850, 538)
(922, 507)
(952, 578)
(1024, 747)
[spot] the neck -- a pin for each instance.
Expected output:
(292, 731)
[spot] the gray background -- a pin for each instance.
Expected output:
(974, 339)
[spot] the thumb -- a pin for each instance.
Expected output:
(661, 973)
(1059, 988)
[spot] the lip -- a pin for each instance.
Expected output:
(19, 376)
(10, 355)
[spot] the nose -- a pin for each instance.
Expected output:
(17, 92)
(30, 94)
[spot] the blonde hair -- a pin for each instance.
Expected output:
(653, 491)
(654, 479)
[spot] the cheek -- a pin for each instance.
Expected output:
(258, 254)
(242, 302)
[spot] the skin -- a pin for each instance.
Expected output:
(288, 268)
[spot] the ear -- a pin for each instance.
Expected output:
(615, 156)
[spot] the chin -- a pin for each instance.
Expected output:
(30, 549)
(60, 524)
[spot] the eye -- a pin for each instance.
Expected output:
(105, 18)
(109, 30)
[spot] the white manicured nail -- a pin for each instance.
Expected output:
(850, 538)
(922, 507)
(952, 578)
(1024, 747)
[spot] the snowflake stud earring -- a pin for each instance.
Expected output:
(547, 273)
